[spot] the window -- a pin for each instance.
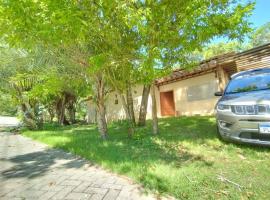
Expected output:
(250, 82)
(201, 92)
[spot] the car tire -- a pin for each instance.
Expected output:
(220, 137)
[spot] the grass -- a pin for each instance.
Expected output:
(185, 160)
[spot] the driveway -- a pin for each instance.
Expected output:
(8, 121)
(31, 170)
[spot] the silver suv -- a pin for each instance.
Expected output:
(243, 111)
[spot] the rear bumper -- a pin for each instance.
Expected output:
(243, 129)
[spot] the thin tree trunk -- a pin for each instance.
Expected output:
(51, 113)
(128, 116)
(62, 112)
(124, 103)
(101, 110)
(38, 112)
(130, 105)
(144, 104)
(154, 110)
(71, 112)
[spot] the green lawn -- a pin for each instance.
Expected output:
(186, 160)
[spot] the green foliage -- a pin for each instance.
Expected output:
(7, 105)
(81, 47)
(184, 160)
(221, 48)
(170, 33)
(160, 38)
(261, 35)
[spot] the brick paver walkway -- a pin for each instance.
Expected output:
(30, 170)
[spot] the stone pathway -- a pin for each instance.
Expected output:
(30, 170)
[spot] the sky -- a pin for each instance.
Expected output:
(260, 16)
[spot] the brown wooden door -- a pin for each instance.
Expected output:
(167, 103)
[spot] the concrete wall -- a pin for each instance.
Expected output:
(185, 105)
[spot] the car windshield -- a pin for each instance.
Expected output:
(250, 82)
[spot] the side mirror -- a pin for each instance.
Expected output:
(218, 94)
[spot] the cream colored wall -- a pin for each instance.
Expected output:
(116, 111)
(185, 107)
(182, 105)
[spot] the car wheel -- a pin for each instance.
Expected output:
(219, 135)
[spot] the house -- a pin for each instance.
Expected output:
(187, 93)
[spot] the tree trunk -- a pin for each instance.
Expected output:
(28, 117)
(60, 108)
(154, 110)
(128, 116)
(71, 112)
(38, 112)
(51, 113)
(59, 111)
(72, 115)
(124, 103)
(101, 120)
(100, 108)
(144, 104)
(130, 105)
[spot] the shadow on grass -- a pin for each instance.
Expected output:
(140, 156)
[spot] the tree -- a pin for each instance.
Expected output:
(59, 24)
(170, 33)
(144, 105)
(219, 49)
(59, 90)
(156, 35)
(261, 35)
(17, 81)
(42, 77)
(7, 105)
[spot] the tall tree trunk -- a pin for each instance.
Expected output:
(60, 108)
(51, 113)
(128, 116)
(38, 112)
(124, 103)
(59, 111)
(71, 112)
(154, 110)
(144, 104)
(72, 115)
(100, 107)
(130, 105)
(101, 120)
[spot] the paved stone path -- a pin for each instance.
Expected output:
(30, 170)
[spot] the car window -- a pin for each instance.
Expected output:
(251, 82)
